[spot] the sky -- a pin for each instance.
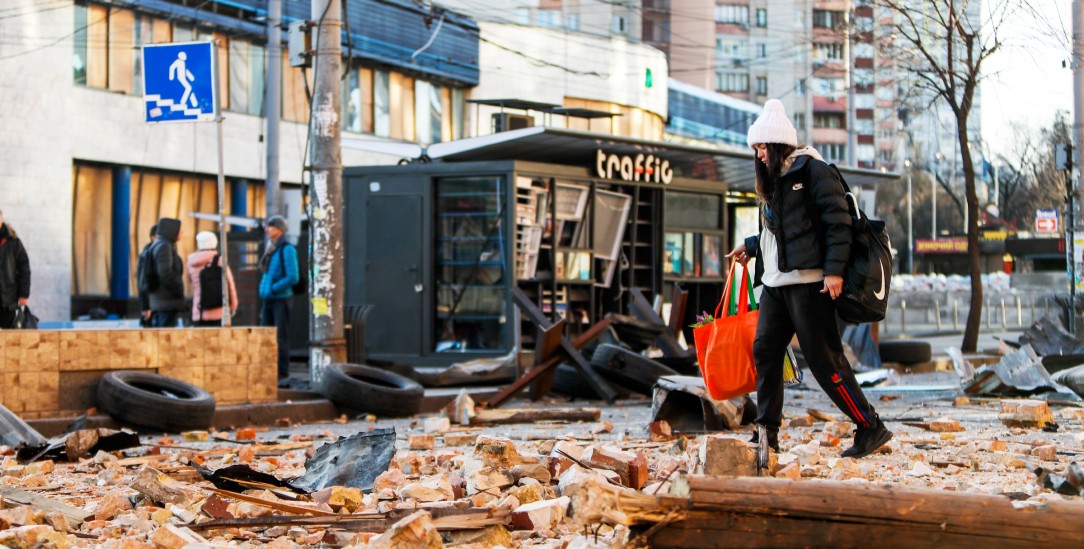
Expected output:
(1026, 82)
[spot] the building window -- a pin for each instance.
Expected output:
(762, 51)
(573, 21)
(827, 19)
(832, 152)
(799, 120)
(428, 112)
(381, 104)
(730, 49)
(619, 25)
(352, 101)
(828, 52)
(828, 120)
(728, 13)
(732, 82)
(762, 85)
(799, 88)
(247, 75)
(548, 18)
(762, 17)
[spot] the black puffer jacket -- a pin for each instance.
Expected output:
(14, 269)
(170, 293)
(808, 214)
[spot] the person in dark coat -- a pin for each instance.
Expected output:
(802, 249)
(145, 297)
(14, 275)
(280, 273)
(167, 301)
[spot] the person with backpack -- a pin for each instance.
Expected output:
(205, 272)
(165, 275)
(14, 275)
(144, 259)
(803, 248)
(280, 274)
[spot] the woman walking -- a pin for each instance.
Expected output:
(803, 246)
(207, 253)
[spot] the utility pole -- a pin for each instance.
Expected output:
(1078, 142)
(326, 292)
(272, 105)
(848, 44)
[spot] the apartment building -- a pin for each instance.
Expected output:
(820, 57)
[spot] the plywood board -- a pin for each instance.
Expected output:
(31, 351)
(229, 384)
(84, 350)
(31, 391)
(132, 349)
(179, 348)
(262, 382)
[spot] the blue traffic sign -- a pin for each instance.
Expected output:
(179, 82)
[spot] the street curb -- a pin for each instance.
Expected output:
(297, 406)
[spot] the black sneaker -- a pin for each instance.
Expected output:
(773, 437)
(867, 441)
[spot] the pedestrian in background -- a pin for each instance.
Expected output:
(145, 297)
(280, 273)
(207, 256)
(167, 300)
(14, 275)
(803, 247)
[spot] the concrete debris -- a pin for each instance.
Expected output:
(1018, 373)
(437, 425)
(684, 403)
(545, 514)
(727, 456)
(416, 531)
(1032, 414)
(462, 409)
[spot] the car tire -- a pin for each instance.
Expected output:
(628, 368)
(150, 400)
(905, 351)
(367, 389)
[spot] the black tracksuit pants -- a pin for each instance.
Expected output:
(801, 309)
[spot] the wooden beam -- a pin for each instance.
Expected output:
(527, 415)
(75, 515)
(443, 519)
(766, 512)
(568, 351)
(640, 307)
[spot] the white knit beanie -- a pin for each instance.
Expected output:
(773, 126)
(206, 240)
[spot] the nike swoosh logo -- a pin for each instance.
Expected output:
(881, 293)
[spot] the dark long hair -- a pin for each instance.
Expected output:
(768, 174)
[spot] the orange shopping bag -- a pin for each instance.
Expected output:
(724, 346)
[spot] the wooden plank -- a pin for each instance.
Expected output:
(278, 505)
(75, 515)
(443, 518)
(527, 415)
(781, 513)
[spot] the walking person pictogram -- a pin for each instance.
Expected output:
(179, 71)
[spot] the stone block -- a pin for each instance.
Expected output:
(727, 456)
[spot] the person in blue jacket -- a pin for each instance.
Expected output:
(280, 273)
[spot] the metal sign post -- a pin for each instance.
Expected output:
(180, 84)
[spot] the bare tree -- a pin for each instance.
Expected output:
(943, 49)
(1028, 179)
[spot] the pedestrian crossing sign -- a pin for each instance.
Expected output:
(179, 82)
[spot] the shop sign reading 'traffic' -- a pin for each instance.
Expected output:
(647, 168)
